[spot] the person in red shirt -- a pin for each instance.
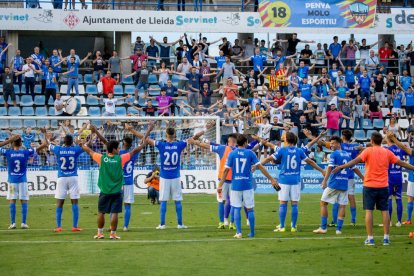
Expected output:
(231, 92)
(108, 84)
(384, 54)
(137, 60)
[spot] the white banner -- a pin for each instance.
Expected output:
(44, 182)
(157, 21)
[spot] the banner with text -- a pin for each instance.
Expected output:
(314, 13)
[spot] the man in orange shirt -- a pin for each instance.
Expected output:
(108, 84)
(231, 91)
(375, 191)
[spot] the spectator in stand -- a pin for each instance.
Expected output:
(72, 53)
(364, 50)
(236, 51)
(384, 54)
(320, 56)
(305, 55)
(364, 83)
(293, 43)
(410, 56)
(115, 66)
(110, 103)
(59, 106)
(402, 58)
(373, 108)
(206, 94)
(205, 71)
(98, 66)
(8, 78)
(359, 111)
(332, 123)
(152, 51)
(405, 80)
(73, 72)
(335, 49)
(391, 85)
(44, 68)
(137, 60)
(139, 44)
(153, 182)
(372, 63)
(143, 73)
(225, 46)
(258, 62)
(397, 98)
(108, 84)
(228, 70)
(409, 101)
(29, 76)
(183, 68)
(230, 94)
(164, 102)
(350, 50)
(279, 59)
(379, 89)
(303, 70)
(51, 84)
(295, 114)
(165, 49)
(3, 47)
(248, 52)
(149, 110)
(55, 60)
(16, 66)
(196, 61)
(37, 58)
(163, 74)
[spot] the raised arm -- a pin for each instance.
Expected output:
(85, 58)
(100, 136)
(10, 140)
(314, 165)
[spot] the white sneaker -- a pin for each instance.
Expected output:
(338, 232)
(247, 222)
(238, 236)
(12, 226)
(125, 229)
(160, 227)
(226, 222)
(320, 231)
(182, 226)
(24, 226)
(135, 102)
(398, 224)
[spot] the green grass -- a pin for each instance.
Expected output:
(200, 250)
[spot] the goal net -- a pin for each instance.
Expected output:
(198, 166)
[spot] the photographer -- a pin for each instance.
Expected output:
(153, 182)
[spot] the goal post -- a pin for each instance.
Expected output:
(199, 167)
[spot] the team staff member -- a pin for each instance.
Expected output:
(375, 192)
(153, 182)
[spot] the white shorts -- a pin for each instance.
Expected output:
(351, 186)
(410, 189)
(18, 191)
(289, 192)
(335, 196)
(240, 198)
(380, 97)
(170, 189)
(67, 185)
(225, 191)
(128, 194)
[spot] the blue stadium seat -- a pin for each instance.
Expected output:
(4, 124)
(129, 89)
(91, 89)
(28, 111)
(155, 103)
(97, 123)
(52, 111)
(3, 111)
(94, 111)
(87, 78)
(54, 124)
(91, 101)
(369, 133)
(2, 100)
(26, 100)
(152, 79)
(51, 101)
(3, 134)
(359, 135)
(367, 124)
(120, 111)
(378, 124)
(38, 89)
(127, 80)
(175, 78)
(29, 123)
(39, 100)
(132, 110)
(14, 111)
(142, 102)
(41, 111)
(154, 93)
(16, 124)
(80, 79)
(10, 102)
(118, 90)
(16, 89)
(43, 123)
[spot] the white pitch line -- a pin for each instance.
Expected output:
(189, 241)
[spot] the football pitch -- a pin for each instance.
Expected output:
(202, 249)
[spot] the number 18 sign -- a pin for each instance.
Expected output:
(315, 13)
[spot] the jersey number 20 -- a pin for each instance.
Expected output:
(170, 159)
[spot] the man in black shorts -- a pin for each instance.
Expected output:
(8, 87)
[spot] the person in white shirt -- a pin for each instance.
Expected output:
(264, 132)
(301, 101)
(371, 63)
(110, 104)
(59, 105)
(29, 76)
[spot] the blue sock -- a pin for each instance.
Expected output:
(237, 219)
(231, 214)
(245, 211)
(179, 211)
(340, 224)
(324, 222)
(282, 214)
(294, 215)
(24, 212)
(163, 211)
(12, 208)
(127, 215)
(75, 215)
(59, 217)
(409, 210)
(226, 210)
(353, 215)
(251, 218)
(335, 210)
(390, 207)
(399, 208)
(221, 211)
